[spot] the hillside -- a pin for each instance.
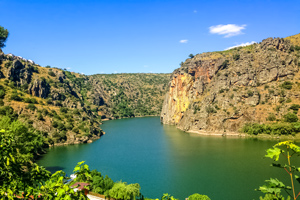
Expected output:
(222, 91)
(67, 107)
(128, 95)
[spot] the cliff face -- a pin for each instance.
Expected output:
(221, 91)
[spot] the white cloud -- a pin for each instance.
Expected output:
(146, 66)
(183, 41)
(68, 68)
(228, 30)
(115, 72)
(241, 45)
(195, 11)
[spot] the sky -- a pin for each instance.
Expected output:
(138, 36)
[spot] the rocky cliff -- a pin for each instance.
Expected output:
(221, 91)
(67, 107)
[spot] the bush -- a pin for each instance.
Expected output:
(51, 73)
(15, 97)
(290, 117)
(2, 94)
(295, 108)
(271, 117)
(287, 85)
(197, 196)
(236, 57)
(210, 109)
(31, 107)
(63, 110)
(224, 64)
(40, 117)
(250, 93)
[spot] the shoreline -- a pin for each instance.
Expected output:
(244, 135)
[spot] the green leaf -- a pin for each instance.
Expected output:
(273, 153)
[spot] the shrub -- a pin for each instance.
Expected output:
(51, 73)
(31, 107)
(224, 64)
(197, 196)
(236, 56)
(2, 94)
(287, 85)
(40, 117)
(210, 109)
(250, 93)
(191, 55)
(290, 117)
(271, 117)
(63, 110)
(15, 97)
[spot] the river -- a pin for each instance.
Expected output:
(163, 159)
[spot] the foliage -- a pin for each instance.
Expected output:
(271, 117)
(295, 108)
(3, 36)
(272, 129)
(210, 109)
(167, 196)
(287, 85)
(121, 190)
(16, 97)
(274, 187)
(191, 55)
(99, 184)
(197, 196)
(236, 57)
(224, 65)
(290, 117)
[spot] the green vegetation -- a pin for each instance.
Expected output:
(3, 36)
(274, 187)
(280, 128)
(287, 85)
(197, 196)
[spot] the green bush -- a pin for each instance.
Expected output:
(250, 93)
(2, 94)
(210, 109)
(287, 85)
(197, 196)
(31, 107)
(290, 117)
(236, 56)
(271, 117)
(51, 73)
(295, 108)
(15, 97)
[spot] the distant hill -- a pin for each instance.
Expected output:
(67, 107)
(223, 91)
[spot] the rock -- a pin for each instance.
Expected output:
(217, 91)
(39, 88)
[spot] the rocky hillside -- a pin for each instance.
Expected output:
(221, 91)
(67, 107)
(128, 95)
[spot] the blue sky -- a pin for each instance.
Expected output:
(119, 36)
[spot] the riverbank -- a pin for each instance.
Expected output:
(245, 135)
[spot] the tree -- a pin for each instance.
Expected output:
(191, 55)
(3, 36)
(122, 190)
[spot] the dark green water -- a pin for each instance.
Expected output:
(163, 159)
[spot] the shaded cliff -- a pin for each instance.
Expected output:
(221, 91)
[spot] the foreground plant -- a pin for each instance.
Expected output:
(273, 188)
